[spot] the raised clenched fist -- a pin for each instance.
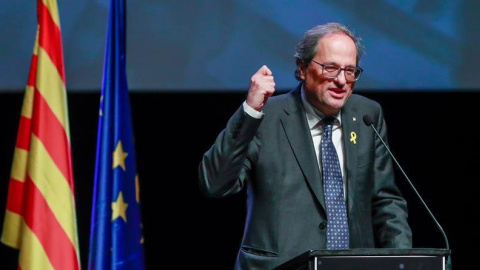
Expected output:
(262, 86)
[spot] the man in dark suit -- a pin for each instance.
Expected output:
(272, 149)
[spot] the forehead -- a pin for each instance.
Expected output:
(336, 46)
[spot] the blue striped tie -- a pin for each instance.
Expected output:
(337, 221)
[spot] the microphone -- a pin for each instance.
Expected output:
(367, 119)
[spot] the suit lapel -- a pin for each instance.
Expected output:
(350, 124)
(298, 134)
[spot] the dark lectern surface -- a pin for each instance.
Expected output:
(371, 259)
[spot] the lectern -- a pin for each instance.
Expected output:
(369, 259)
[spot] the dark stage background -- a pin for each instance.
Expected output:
(432, 134)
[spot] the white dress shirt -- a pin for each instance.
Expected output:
(314, 118)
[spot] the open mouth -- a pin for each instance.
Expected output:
(338, 93)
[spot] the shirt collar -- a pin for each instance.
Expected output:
(314, 116)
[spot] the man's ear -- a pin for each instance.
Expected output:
(301, 69)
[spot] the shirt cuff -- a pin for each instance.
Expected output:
(251, 111)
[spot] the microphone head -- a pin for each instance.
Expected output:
(367, 119)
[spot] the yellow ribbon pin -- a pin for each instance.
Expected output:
(353, 137)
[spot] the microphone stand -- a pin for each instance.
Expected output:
(448, 264)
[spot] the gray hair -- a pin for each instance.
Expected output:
(307, 47)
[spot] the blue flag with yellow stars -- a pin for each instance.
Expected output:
(116, 239)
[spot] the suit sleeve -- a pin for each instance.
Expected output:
(226, 166)
(389, 207)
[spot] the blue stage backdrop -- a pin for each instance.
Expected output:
(216, 45)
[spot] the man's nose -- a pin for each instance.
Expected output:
(340, 79)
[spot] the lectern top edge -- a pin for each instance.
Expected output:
(304, 261)
(380, 252)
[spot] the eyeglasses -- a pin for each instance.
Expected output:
(331, 71)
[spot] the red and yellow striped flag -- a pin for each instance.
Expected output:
(40, 219)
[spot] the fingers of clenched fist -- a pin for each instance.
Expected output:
(262, 86)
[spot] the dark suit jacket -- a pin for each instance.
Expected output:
(273, 158)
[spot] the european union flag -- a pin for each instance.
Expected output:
(116, 240)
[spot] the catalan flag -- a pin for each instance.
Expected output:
(40, 218)
(116, 239)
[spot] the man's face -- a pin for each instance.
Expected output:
(330, 95)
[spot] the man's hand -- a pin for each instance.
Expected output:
(262, 86)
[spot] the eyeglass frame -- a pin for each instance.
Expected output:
(339, 70)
